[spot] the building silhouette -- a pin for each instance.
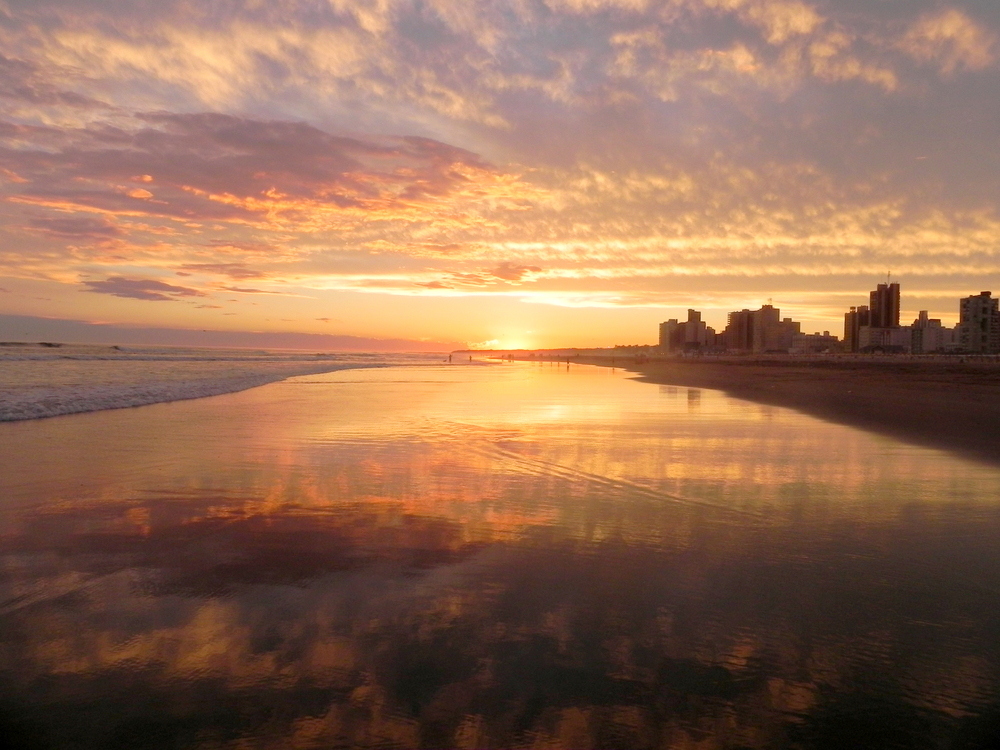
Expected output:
(853, 321)
(979, 324)
(760, 331)
(872, 328)
(876, 327)
(884, 306)
(690, 335)
(738, 334)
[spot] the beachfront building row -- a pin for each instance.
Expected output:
(875, 327)
(871, 328)
(760, 331)
(689, 335)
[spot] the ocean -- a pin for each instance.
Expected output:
(47, 380)
(495, 556)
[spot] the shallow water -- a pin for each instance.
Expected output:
(510, 556)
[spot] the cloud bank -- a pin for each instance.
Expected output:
(605, 154)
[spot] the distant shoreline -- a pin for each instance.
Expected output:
(950, 403)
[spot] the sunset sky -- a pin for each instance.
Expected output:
(484, 172)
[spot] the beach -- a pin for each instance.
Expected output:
(491, 555)
(951, 403)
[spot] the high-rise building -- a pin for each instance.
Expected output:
(884, 306)
(690, 335)
(853, 320)
(694, 330)
(875, 327)
(979, 324)
(760, 331)
(738, 334)
(668, 334)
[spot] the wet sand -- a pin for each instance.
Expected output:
(946, 404)
(491, 557)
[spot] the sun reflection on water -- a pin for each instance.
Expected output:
(514, 556)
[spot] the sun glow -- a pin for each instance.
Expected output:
(386, 186)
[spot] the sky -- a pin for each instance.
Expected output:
(519, 173)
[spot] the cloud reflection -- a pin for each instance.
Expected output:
(357, 575)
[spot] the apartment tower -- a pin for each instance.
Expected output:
(884, 306)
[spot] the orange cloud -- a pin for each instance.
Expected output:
(951, 40)
(579, 152)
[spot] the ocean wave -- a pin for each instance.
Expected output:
(40, 401)
(18, 352)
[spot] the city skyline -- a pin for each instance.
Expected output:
(515, 174)
(871, 328)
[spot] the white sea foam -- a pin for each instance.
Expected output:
(45, 381)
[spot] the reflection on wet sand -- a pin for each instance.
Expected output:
(389, 560)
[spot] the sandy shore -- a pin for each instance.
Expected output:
(945, 403)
